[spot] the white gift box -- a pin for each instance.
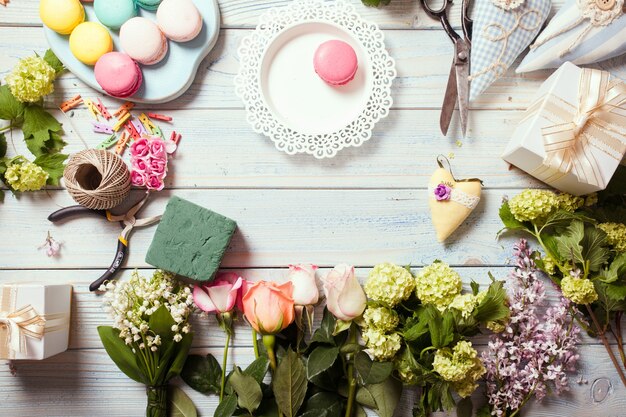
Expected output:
(34, 320)
(591, 139)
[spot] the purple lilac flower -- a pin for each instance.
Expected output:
(533, 355)
(442, 192)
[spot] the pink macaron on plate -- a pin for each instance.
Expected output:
(167, 79)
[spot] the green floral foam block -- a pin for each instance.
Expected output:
(190, 240)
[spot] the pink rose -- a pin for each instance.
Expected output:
(141, 166)
(138, 179)
(158, 167)
(345, 298)
(157, 149)
(140, 148)
(305, 290)
(219, 296)
(155, 183)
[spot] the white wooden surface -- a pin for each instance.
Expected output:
(368, 205)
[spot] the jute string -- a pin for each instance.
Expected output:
(97, 179)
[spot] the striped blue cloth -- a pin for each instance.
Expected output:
(491, 47)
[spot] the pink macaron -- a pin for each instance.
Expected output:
(335, 62)
(143, 41)
(118, 74)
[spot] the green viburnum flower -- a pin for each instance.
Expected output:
(389, 283)
(615, 235)
(495, 326)
(381, 318)
(459, 365)
(25, 176)
(465, 303)
(570, 202)
(438, 284)
(578, 290)
(591, 200)
(532, 205)
(549, 265)
(383, 347)
(405, 370)
(31, 79)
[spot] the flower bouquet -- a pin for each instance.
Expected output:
(148, 158)
(151, 336)
(584, 253)
(21, 104)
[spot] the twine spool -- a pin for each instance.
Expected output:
(97, 179)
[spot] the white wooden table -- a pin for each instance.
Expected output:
(367, 205)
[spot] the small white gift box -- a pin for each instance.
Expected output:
(34, 320)
(573, 137)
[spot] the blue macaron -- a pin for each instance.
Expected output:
(114, 13)
(149, 4)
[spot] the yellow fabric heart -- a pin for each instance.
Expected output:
(457, 201)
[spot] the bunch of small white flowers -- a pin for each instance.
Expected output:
(131, 303)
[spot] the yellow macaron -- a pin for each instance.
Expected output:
(62, 16)
(89, 41)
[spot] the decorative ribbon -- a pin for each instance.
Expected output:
(18, 324)
(598, 121)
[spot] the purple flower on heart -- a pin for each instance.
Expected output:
(442, 192)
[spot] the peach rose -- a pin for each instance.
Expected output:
(269, 307)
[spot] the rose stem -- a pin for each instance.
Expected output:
(351, 379)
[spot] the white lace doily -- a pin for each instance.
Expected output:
(260, 115)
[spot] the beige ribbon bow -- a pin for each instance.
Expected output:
(16, 326)
(597, 120)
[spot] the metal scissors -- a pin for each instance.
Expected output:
(128, 221)
(458, 81)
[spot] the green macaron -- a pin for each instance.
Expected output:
(114, 13)
(149, 4)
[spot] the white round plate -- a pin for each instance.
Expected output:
(164, 81)
(288, 102)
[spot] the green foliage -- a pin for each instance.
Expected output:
(10, 107)
(121, 353)
(41, 131)
(249, 394)
(226, 407)
(386, 395)
(369, 371)
(202, 373)
(53, 165)
(508, 219)
(323, 404)
(376, 3)
(180, 405)
(290, 384)
(258, 368)
(320, 359)
(53, 61)
(493, 307)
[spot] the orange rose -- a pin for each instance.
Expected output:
(268, 307)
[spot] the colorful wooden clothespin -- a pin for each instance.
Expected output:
(139, 127)
(156, 131)
(121, 143)
(157, 116)
(71, 103)
(92, 108)
(126, 107)
(147, 123)
(102, 128)
(129, 127)
(121, 122)
(103, 110)
(108, 142)
(175, 137)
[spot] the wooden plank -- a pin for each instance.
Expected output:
(401, 154)
(422, 59)
(276, 227)
(400, 14)
(86, 382)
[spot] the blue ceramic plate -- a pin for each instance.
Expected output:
(164, 81)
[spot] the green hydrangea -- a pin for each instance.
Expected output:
(591, 200)
(570, 202)
(459, 365)
(615, 234)
(31, 79)
(438, 284)
(25, 176)
(381, 318)
(382, 346)
(405, 370)
(578, 290)
(533, 205)
(389, 283)
(465, 303)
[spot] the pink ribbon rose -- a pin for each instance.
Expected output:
(158, 167)
(155, 183)
(138, 179)
(140, 148)
(157, 149)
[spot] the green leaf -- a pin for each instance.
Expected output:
(10, 107)
(475, 287)
(227, 407)
(493, 307)
(258, 368)
(53, 165)
(56, 143)
(202, 373)
(324, 403)
(322, 358)
(180, 405)
(38, 127)
(53, 61)
(363, 396)
(325, 332)
(483, 411)
(290, 384)
(3, 145)
(161, 323)
(120, 353)
(441, 327)
(568, 243)
(416, 331)
(359, 411)
(616, 270)
(371, 372)
(464, 407)
(387, 396)
(509, 221)
(376, 3)
(595, 249)
(249, 394)
(181, 352)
